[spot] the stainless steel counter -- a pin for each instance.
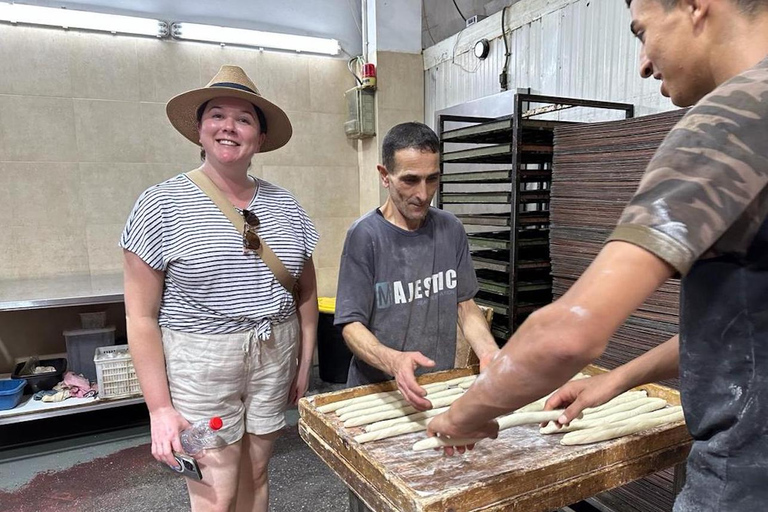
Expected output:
(53, 292)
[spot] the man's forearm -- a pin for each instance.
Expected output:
(661, 362)
(475, 329)
(367, 347)
(560, 339)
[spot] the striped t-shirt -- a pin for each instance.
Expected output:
(211, 285)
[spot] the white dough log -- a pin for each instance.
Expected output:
(639, 407)
(391, 395)
(375, 405)
(621, 407)
(594, 435)
(627, 396)
(460, 381)
(396, 430)
(379, 425)
(505, 422)
(401, 411)
(333, 406)
(392, 406)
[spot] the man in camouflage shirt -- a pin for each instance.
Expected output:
(700, 212)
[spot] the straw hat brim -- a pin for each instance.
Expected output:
(182, 112)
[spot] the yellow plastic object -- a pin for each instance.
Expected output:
(326, 304)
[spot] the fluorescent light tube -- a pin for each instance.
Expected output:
(255, 38)
(67, 18)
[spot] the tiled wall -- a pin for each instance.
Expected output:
(83, 131)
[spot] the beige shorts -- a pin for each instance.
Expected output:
(236, 376)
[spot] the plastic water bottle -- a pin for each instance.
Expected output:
(201, 435)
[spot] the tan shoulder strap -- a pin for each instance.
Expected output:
(210, 189)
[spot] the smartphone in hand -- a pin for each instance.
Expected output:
(187, 466)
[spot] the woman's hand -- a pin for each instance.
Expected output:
(166, 424)
(299, 385)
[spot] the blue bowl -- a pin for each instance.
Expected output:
(10, 393)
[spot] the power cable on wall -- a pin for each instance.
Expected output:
(460, 13)
(426, 21)
(503, 78)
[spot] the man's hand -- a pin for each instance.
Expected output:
(577, 395)
(402, 368)
(443, 425)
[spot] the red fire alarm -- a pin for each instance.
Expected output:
(369, 76)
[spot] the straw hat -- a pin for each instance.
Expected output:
(232, 82)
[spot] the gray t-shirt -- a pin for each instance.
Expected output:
(405, 286)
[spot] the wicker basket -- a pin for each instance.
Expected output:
(114, 373)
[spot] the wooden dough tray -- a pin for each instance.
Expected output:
(520, 471)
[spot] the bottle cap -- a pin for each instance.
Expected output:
(215, 423)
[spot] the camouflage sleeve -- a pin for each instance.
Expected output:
(706, 178)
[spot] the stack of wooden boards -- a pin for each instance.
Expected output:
(387, 414)
(597, 168)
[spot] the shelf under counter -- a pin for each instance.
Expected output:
(30, 409)
(60, 291)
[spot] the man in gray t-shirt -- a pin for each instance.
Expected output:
(406, 275)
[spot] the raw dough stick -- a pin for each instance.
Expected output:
(458, 381)
(627, 396)
(402, 411)
(620, 407)
(648, 405)
(594, 435)
(370, 404)
(660, 413)
(347, 413)
(505, 422)
(379, 425)
(373, 396)
(396, 430)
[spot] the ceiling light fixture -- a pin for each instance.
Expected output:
(67, 18)
(254, 38)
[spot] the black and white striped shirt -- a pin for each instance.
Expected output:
(211, 285)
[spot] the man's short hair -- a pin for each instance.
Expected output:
(748, 7)
(408, 136)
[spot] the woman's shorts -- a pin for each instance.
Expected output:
(244, 380)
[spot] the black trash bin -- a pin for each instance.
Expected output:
(332, 353)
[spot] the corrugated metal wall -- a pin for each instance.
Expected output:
(582, 49)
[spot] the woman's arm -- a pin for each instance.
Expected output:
(307, 312)
(143, 293)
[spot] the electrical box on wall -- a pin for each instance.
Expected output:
(361, 120)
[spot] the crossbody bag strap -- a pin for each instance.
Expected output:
(210, 189)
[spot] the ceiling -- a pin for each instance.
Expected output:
(339, 19)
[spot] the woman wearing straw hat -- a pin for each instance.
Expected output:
(211, 260)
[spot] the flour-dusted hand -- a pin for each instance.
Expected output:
(403, 366)
(444, 426)
(577, 395)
